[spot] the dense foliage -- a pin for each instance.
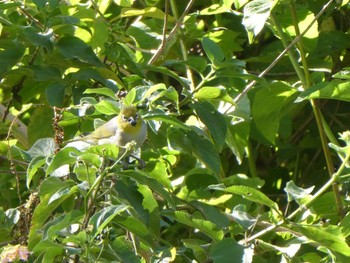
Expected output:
(247, 151)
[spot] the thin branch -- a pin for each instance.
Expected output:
(277, 59)
(172, 34)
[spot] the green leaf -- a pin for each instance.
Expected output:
(75, 48)
(55, 93)
(143, 178)
(42, 117)
(102, 218)
(205, 152)
(240, 215)
(268, 107)
(330, 237)
(256, 14)
(223, 251)
(208, 228)
(210, 93)
(213, 51)
(101, 91)
(298, 194)
(10, 56)
(248, 193)
(42, 148)
(191, 142)
(153, 12)
(165, 118)
(237, 138)
(33, 167)
(107, 107)
(336, 89)
(63, 157)
(213, 120)
(124, 252)
(212, 214)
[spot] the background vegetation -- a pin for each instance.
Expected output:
(247, 110)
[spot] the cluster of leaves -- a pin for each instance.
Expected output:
(241, 99)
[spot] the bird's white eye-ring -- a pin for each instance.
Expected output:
(136, 116)
(125, 118)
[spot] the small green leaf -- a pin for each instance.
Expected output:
(107, 107)
(102, 218)
(208, 228)
(63, 157)
(153, 184)
(268, 107)
(153, 12)
(296, 193)
(256, 14)
(210, 93)
(55, 93)
(33, 167)
(75, 48)
(165, 118)
(248, 193)
(101, 91)
(335, 89)
(42, 147)
(223, 251)
(330, 237)
(213, 120)
(10, 56)
(213, 51)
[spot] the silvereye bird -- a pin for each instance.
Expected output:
(128, 126)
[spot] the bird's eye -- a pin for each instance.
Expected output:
(125, 118)
(136, 116)
(130, 120)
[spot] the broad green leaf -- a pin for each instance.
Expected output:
(210, 93)
(55, 93)
(197, 246)
(192, 143)
(208, 228)
(40, 127)
(153, 184)
(217, 8)
(255, 16)
(213, 120)
(330, 237)
(213, 51)
(60, 222)
(49, 249)
(38, 38)
(153, 12)
(75, 48)
(11, 53)
(227, 251)
(335, 89)
(124, 252)
(124, 3)
(268, 108)
(206, 152)
(102, 218)
(101, 91)
(212, 214)
(44, 210)
(343, 74)
(107, 107)
(42, 147)
(248, 193)
(63, 157)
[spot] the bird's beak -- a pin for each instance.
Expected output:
(133, 123)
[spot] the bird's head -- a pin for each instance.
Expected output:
(129, 120)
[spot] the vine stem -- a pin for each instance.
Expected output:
(320, 192)
(172, 34)
(278, 58)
